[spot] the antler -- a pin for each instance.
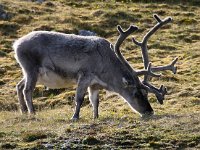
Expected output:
(123, 35)
(170, 67)
(160, 93)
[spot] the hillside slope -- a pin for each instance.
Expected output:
(176, 123)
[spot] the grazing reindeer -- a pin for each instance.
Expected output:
(58, 60)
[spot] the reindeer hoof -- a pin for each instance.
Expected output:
(147, 115)
(31, 113)
(75, 118)
(96, 117)
(160, 102)
(23, 111)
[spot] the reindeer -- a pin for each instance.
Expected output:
(58, 60)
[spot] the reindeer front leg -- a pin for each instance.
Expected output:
(94, 99)
(82, 85)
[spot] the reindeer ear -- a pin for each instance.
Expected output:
(125, 82)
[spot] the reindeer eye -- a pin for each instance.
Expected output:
(125, 82)
(128, 83)
(144, 92)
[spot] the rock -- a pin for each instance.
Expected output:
(40, 1)
(37, 1)
(86, 33)
(3, 14)
(49, 146)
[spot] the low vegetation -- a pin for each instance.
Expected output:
(176, 124)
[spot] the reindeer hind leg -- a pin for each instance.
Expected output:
(30, 83)
(22, 103)
(30, 67)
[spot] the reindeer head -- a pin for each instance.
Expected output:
(136, 96)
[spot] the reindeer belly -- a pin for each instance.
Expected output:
(52, 80)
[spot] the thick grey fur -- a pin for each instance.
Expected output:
(58, 60)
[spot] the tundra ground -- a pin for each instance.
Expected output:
(176, 124)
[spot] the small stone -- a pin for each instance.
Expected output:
(40, 1)
(86, 33)
(3, 14)
(48, 146)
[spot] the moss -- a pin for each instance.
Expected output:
(195, 37)
(49, 4)
(90, 140)
(124, 143)
(23, 19)
(24, 11)
(44, 27)
(8, 146)
(188, 21)
(8, 28)
(2, 134)
(155, 145)
(38, 147)
(3, 54)
(2, 82)
(32, 136)
(162, 47)
(68, 130)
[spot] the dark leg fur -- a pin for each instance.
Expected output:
(20, 88)
(82, 86)
(30, 82)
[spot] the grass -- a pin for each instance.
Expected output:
(176, 123)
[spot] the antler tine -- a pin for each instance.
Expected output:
(168, 19)
(163, 89)
(151, 73)
(126, 33)
(148, 72)
(160, 93)
(157, 18)
(123, 35)
(170, 67)
(156, 27)
(136, 42)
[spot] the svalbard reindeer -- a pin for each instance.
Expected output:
(58, 60)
